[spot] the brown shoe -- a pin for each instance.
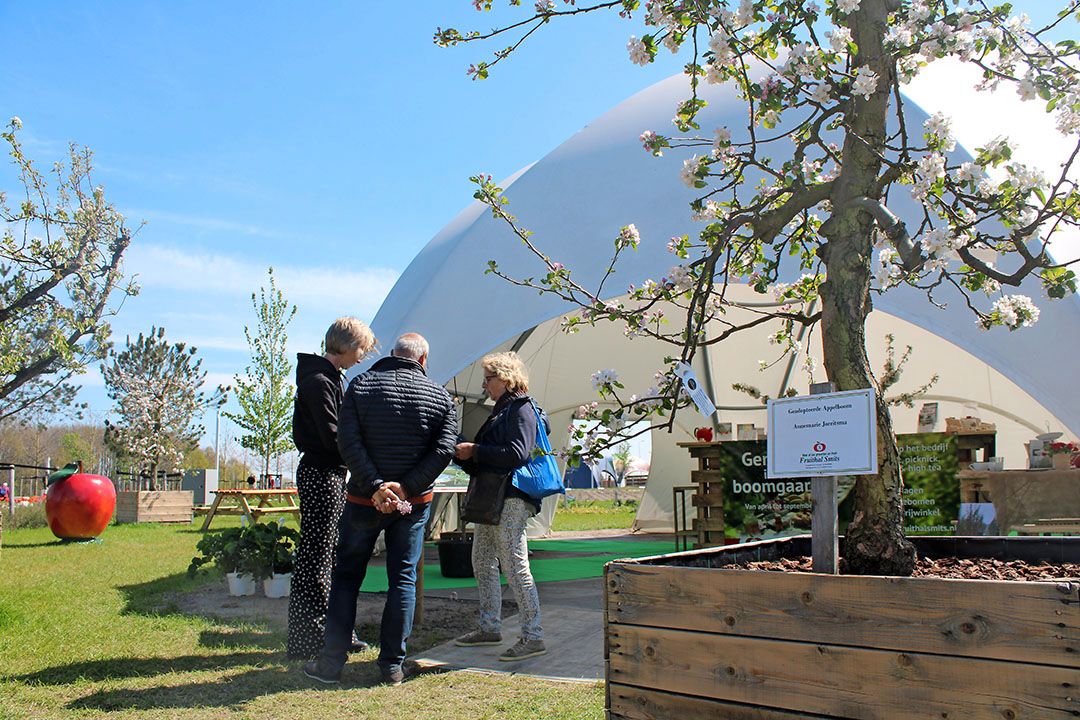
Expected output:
(523, 649)
(478, 637)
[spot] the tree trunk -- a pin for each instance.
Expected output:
(874, 543)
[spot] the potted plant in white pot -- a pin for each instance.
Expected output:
(232, 553)
(275, 545)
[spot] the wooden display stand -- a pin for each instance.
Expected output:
(687, 638)
(160, 506)
(709, 496)
(1029, 502)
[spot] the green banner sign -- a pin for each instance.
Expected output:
(931, 486)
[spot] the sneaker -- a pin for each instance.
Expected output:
(523, 649)
(357, 645)
(316, 670)
(393, 675)
(478, 637)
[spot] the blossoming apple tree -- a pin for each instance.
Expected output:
(61, 278)
(157, 387)
(807, 181)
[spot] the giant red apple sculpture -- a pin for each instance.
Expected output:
(78, 505)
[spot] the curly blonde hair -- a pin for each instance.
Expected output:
(509, 368)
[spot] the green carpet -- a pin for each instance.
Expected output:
(594, 555)
(623, 548)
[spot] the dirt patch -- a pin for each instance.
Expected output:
(443, 618)
(954, 568)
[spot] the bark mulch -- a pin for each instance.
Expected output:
(954, 568)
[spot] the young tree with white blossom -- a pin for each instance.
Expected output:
(806, 183)
(157, 386)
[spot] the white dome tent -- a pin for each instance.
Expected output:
(578, 196)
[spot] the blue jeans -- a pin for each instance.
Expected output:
(359, 528)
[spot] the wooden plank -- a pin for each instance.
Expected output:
(626, 702)
(706, 476)
(707, 500)
(838, 681)
(709, 524)
(259, 512)
(1027, 621)
(213, 511)
(824, 523)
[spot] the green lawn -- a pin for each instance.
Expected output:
(594, 515)
(83, 634)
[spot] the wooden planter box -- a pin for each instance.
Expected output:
(161, 506)
(686, 640)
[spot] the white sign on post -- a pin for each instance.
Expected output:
(703, 402)
(820, 435)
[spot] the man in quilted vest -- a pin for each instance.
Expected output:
(396, 431)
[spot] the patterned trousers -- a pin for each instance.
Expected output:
(322, 497)
(506, 544)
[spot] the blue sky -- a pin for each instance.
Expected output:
(331, 142)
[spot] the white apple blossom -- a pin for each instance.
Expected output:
(821, 93)
(1026, 88)
(745, 14)
(847, 6)
(970, 172)
(628, 237)
(680, 278)
(691, 170)
(931, 168)
(1014, 311)
(839, 39)
(940, 127)
(604, 378)
(866, 82)
(639, 54)
(1024, 178)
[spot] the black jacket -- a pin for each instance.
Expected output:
(315, 411)
(505, 441)
(396, 425)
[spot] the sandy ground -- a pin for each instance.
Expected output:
(445, 615)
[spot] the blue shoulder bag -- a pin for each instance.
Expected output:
(540, 476)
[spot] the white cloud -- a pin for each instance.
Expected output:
(205, 223)
(316, 290)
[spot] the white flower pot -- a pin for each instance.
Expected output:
(240, 585)
(277, 586)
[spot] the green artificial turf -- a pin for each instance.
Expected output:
(594, 555)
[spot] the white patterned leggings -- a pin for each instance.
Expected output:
(506, 544)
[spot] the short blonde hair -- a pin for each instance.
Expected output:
(507, 367)
(348, 333)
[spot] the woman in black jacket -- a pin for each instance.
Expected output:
(504, 443)
(320, 478)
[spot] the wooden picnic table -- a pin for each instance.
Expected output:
(243, 502)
